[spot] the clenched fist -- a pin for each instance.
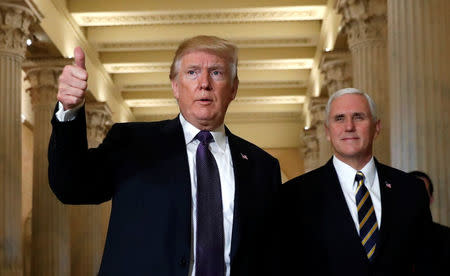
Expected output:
(73, 82)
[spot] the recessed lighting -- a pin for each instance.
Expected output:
(29, 42)
(306, 127)
(327, 49)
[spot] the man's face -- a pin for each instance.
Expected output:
(203, 89)
(351, 129)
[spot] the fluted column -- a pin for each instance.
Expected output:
(365, 24)
(336, 67)
(318, 116)
(419, 61)
(310, 149)
(88, 221)
(14, 30)
(50, 223)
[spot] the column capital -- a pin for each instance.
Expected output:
(337, 69)
(317, 109)
(15, 21)
(98, 122)
(43, 74)
(364, 20)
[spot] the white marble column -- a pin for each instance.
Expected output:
(310, 149)
(336, 67)
(88, 221)
(365, 24)
(419, 63)
(14, 30)
(318, 119)
(50, 219)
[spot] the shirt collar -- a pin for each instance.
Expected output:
(190, 131)
(346, 172)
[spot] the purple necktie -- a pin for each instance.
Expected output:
(210, 237)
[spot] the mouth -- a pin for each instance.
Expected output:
(349, 138)
(204, 101)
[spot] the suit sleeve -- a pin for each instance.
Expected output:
(78, 175)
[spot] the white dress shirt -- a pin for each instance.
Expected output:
(346, 175)
(221, 152)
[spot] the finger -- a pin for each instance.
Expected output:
(64, 90)
(79, 57)
(71, 80)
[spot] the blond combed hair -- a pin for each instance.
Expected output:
(211, 44)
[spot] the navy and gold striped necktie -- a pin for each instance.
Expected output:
(368, 226)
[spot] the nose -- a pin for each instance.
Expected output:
(204, 81)
(349, 125)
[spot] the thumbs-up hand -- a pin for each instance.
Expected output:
(73, 82)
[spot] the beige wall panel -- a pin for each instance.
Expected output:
(290, 162)
(247, 31)
(27, 171)
(269, 135)
(139, 5)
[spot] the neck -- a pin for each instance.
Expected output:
(355, 163)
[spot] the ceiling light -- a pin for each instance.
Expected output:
(29, 42)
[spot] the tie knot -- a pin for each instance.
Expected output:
(359, 176)
(204, 137)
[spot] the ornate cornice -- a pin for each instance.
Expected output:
(200, 17)
(364, 21)
(164, 67)
(15, 21)
(166, 102)
(316, 107)
(242, 85)
(172, 45)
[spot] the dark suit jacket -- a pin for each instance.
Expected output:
(320, 238)
(143, 168)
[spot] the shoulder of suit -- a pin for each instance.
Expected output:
(250, 148)
(309, 177)
(139, 130)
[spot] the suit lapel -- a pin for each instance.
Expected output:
(173, 135)
(241, 180)
(386, 187)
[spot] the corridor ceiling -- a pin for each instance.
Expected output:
(136, 40)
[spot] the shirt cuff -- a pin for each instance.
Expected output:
(67, 115)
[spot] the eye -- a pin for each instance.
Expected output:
(191, 74)
(358, 117)
(217, 74)
(339, 118)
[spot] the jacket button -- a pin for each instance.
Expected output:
(183, 261)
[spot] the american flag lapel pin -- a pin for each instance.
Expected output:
(244, 156)
(388, 185)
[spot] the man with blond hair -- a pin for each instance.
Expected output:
(188, 196)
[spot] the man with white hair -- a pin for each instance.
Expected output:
(354, 215)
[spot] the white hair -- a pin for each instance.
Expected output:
(351, 90)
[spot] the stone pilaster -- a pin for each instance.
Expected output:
(89, 222)
(310, 149)
(336, 67)
(15, 21)
(50, 219)
(318, 119)
(419, 63)
(365, 23)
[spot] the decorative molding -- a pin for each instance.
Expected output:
(98, 122)
(242, 85)
(316, 107)
(164, 67)
(172, 45)
(364, 21)
(15, 21)
(166, 102)
(43, 75)
(200, 17)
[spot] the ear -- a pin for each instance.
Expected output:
(175, 88)
(327, 131)
(234, 88)
(377, 128)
